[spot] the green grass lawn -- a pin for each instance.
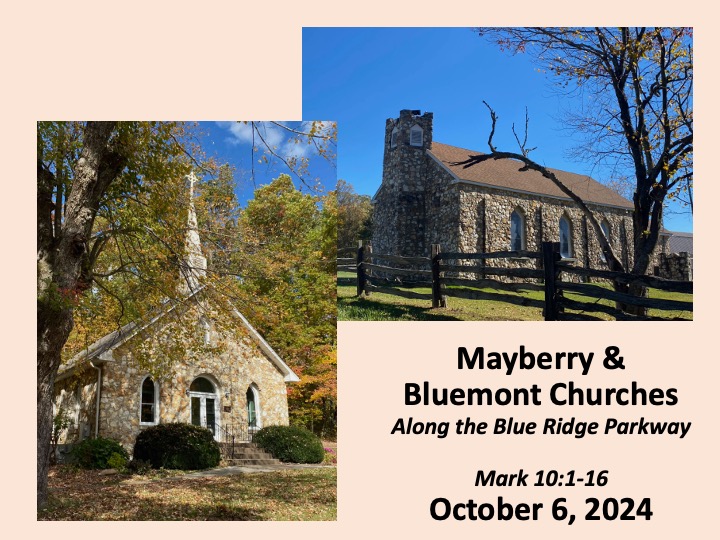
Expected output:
(509, 306)
(286, 495)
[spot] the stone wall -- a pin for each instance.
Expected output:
(676, 266)
(485, 223)
(75, 396)
(666, 264)
(231, 372)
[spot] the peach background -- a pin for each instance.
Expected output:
(227, 60)
(397, 476)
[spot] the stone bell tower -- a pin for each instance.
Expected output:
(399, 216)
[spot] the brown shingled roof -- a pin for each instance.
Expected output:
(503, 173)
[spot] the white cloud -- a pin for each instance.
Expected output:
(297, 150)
(242, 133)
(280, 141)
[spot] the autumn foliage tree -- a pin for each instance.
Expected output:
(286, 268)
(218, 210)
(354, 215)
(634, 89)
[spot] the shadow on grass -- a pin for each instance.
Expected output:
(281, 495)
(352, 309)
(347, 282)
(127, 507)
(495, 296)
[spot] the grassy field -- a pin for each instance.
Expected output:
(509, 306)
(287, 495)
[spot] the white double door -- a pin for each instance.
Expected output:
(203, 411)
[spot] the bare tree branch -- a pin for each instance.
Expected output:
(493, 119)
(528, 164)
(635, 90)
(522, 145)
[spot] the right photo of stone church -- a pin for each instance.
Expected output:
(454, 237)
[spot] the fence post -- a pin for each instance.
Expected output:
(551, 255)
(364, 254)
(360, 269)
(437, 298)
(367, 257)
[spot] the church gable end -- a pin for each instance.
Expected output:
(177, 367)
(207, 387)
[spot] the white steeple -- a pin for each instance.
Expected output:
(195, 264)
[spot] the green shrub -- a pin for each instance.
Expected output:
(117, 462)
(177, 446)
(291, 444)
(95, 453)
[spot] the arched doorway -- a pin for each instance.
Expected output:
(204, 404)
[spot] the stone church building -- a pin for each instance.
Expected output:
(424, 199)
(228, 384)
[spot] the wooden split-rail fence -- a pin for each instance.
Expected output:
(465, 275)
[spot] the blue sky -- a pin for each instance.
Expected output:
(231, 142)
(362, 76)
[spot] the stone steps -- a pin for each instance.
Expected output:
(242, 462)
(246, 453)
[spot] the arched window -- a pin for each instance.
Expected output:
(205, 330)
(77, 404)
(605, 227)
(416, 136)
(393, 137)
(253, 407)
(148, 402)
(517, 231)
(203, 385)
(565, 238)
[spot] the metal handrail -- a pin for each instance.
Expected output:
(232, 434)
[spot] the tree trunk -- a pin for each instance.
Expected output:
(54, 326)
(61, 255)
(637, 289)
(644, 245)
